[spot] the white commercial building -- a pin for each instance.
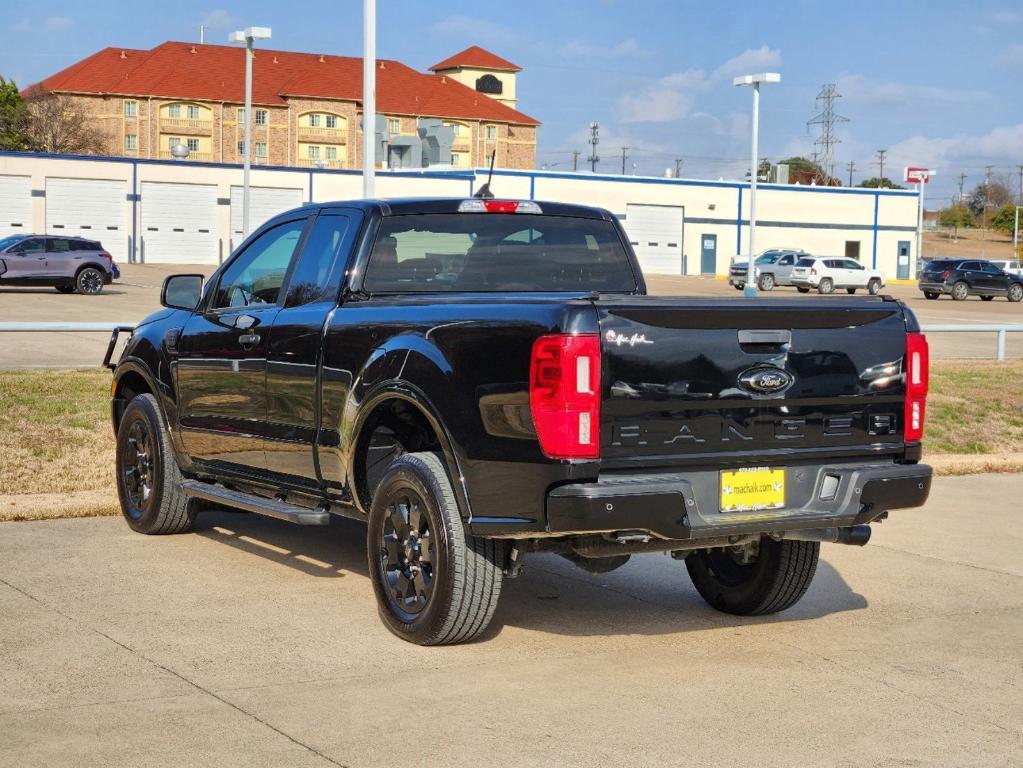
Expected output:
(190, 213)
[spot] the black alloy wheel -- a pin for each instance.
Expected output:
(406, 554)
(137, 469)
(90, 281)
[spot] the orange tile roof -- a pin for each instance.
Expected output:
(474, 56)
(216, 73)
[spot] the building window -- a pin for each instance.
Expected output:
(489, 84)
(174, 110)
(491, 133)
(332, 121)
(193, 112)
(241, 149)
(332, 153)
(131, 108)
(455, 157)
(314, 152)
(173, 141)
(260, 149)
(241, 115)
(393, 125)
(314, 120)
(193, 145)
(261, 117)
(131, 142)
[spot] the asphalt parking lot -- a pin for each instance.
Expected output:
(254, 643)
(138, 293)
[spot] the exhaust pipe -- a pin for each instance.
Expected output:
(854, 535)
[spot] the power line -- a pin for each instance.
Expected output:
(826, 118)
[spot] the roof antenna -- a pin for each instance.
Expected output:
(484, 192)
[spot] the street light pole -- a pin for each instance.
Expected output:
(754, 81)
(248, 37)
(369, 96)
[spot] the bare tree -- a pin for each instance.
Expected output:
(59, 125)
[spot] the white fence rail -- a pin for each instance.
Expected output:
(1001, 331)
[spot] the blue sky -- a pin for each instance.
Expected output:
(935, 83)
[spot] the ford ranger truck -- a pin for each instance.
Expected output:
(481, 379)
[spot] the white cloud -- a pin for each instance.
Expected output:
(58, 22)
(475, 30)
(666, 99)
(219, 19)
(625, 49)
(750, 61)
(881, 94)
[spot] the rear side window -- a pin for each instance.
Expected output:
(85, 245)
(805, 262)
(493, 252)
(59, 245)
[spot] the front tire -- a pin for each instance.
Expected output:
(960, 291)
(435, 584)
(801, 289)
(931, 295)
(148, 477)
(986, 298)
(826, 285)
(773, 580)
(766, 282)
(874, 287)
(1015, 293)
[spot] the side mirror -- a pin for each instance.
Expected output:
(181, 291)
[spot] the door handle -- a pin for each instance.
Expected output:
(248, 339)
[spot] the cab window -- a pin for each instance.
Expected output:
(255, 277)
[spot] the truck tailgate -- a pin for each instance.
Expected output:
(682, 383)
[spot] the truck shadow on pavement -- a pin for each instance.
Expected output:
(650, 595)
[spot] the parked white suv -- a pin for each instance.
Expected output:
(1008, 265)
(827, 274)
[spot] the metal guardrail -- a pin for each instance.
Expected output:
(63, 327)
(1001, 330)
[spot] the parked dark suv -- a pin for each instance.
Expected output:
(969, 277)
(67, 263)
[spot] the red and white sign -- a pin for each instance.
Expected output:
(918, 175)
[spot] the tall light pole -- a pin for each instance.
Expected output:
(248, 37)
(754, 81)
(369, 96)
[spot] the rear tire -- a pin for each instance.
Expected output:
(826, 285)
(802, 290)
(148, 478)
(874, 287)
(776, 579)
(986, 298)
(931, 295)
(850, 291)
(89, 281)
(65, 288)
(766, 282)
(739, 287)
(1015, 293)
(960, 291)
(435, 584)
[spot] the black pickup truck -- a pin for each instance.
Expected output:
(480, 379)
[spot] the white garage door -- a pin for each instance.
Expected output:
(264, 203)
(179, 223)
(655, 232)
(15, 205)
(92, 208)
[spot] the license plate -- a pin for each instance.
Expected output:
(752, 489)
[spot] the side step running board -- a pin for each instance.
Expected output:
(257, 504)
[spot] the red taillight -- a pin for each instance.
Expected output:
(916, 371)
(564, 395)
(501, 206)
(107, 256)
(813, 270)
(945, 274)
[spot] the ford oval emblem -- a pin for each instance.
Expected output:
(765, 380)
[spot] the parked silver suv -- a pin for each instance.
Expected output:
(67, 263)
(774, 267)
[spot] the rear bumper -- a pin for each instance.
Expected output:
(686, 506)
(804, 280)
(933, 287)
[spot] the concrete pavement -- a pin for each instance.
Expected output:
(254, 643)
(138, 293)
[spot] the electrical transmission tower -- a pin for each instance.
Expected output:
(824, 145)
(594, 158)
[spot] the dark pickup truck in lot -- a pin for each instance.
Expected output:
(481, 379)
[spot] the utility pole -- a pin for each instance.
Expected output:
(625, 154)
(1020, 185)
(850, 166)
(594, 158)
(678, 166)
(962, 178)
(987, 194)
(575, 159)
(880, 161)
(826, 119)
